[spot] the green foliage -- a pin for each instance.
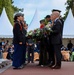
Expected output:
(70, 4)
(65, 15)
(10, 8)
(16, 9)
(0, 7)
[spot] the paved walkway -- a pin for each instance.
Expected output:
(32, 69)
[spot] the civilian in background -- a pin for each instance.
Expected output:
(30, 45)
(1, 55)
(69, 45)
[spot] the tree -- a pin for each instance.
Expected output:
(0, 7)
(10, 8)
(73, 8)
(70, 4)
(15, 8)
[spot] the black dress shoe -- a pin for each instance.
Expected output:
(50, 65)
(56, 67)
(19, 67)
(16, 68)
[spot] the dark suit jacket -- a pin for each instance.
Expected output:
(19, 34)
(62, 21)
(56, 35)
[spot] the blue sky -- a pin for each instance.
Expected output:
(44, 7)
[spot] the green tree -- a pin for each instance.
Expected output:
(0, 7)
(15, 8)
(73, 8)
(10, 8)
(70, 4)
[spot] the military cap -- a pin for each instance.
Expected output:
(19, 14)
(56, 10)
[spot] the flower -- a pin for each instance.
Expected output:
(29, 33)
(42, 26)
(40, 32)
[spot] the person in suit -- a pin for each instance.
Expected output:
(56, 40)
(61, 19)
(19, 42)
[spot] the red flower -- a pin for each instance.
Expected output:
(41, 26)
(34, 30)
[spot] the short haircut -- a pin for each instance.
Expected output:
(41, 21)
(47, 16)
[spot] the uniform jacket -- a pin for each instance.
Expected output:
(19, 33)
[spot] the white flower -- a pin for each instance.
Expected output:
(30, 33)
